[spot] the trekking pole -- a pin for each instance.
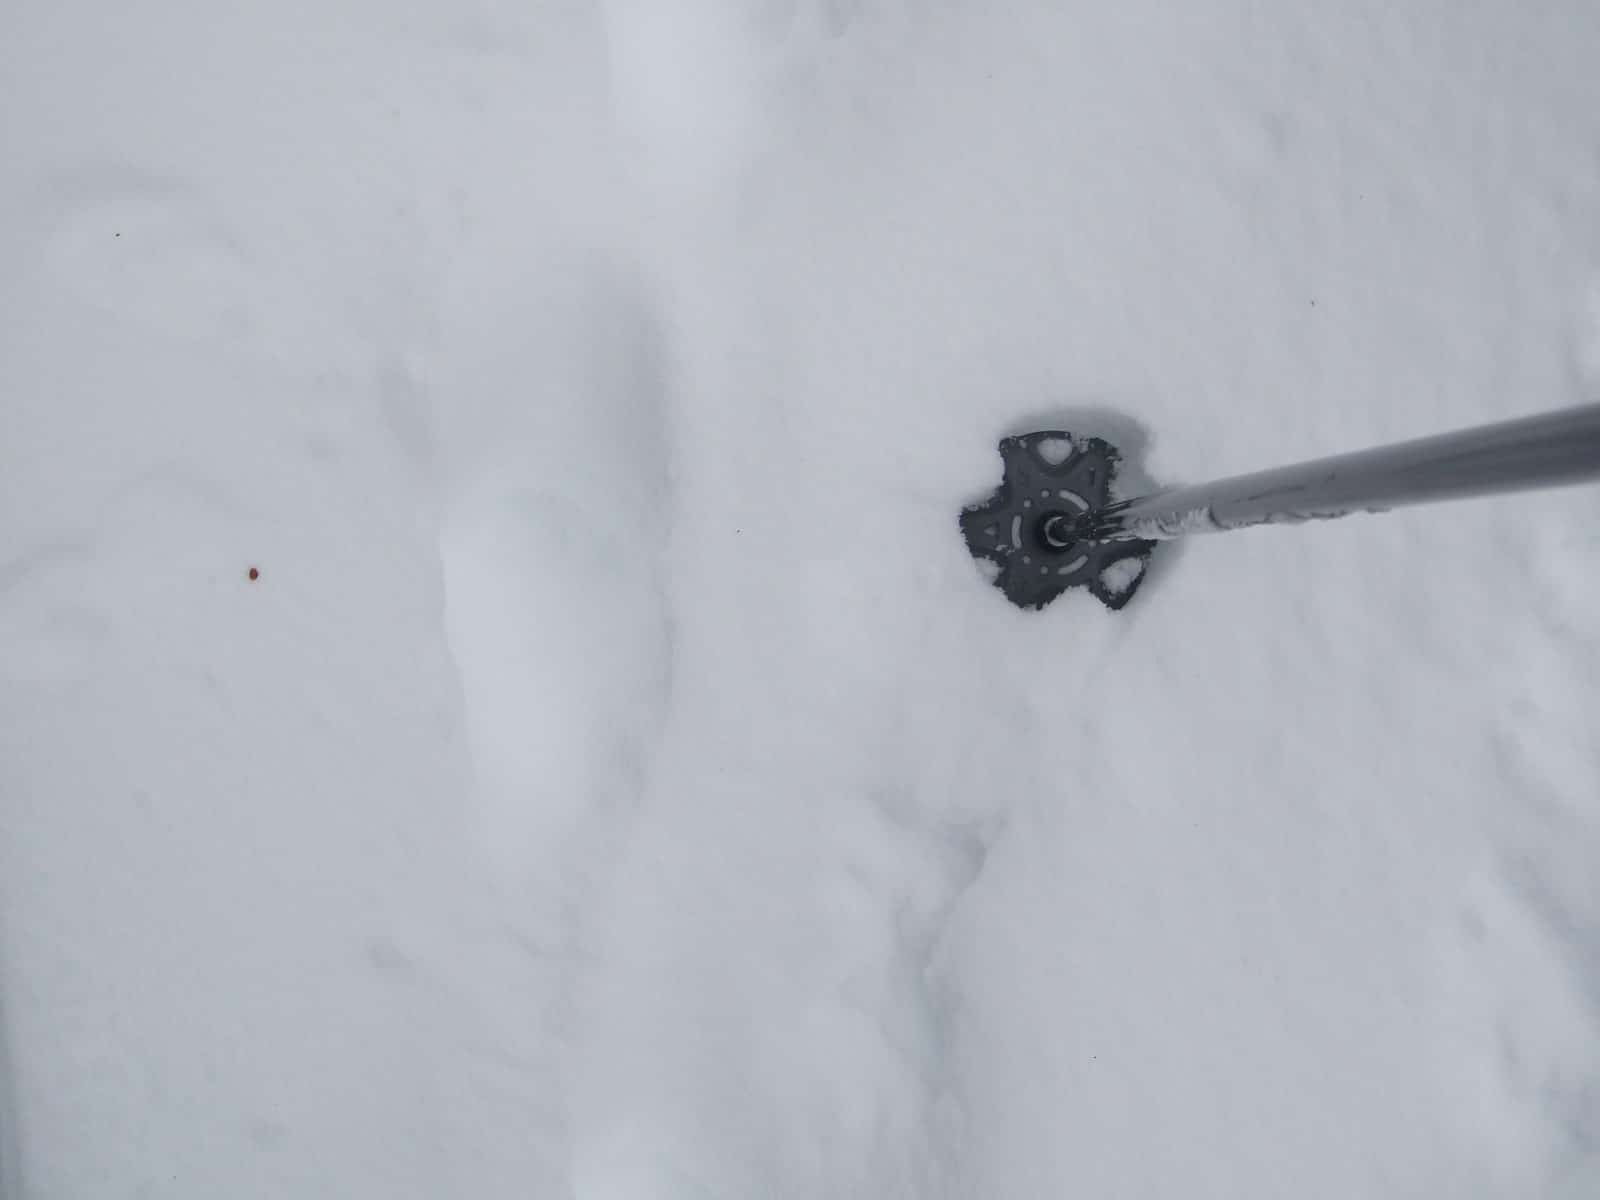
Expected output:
(1052, 524)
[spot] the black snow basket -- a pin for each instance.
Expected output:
(1031, 527)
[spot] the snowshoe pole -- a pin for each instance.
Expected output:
(1053, 524)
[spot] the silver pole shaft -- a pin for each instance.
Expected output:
(1548, 450)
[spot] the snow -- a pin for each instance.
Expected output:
(1054, 450)
(1184, 522)
(618, 782)
(1119, 576)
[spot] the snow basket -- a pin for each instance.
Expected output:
(1029, 527)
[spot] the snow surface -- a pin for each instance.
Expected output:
(618, 781)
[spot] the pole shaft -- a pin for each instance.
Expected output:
(1548, 450)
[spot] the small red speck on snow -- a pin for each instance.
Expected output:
(254, 574)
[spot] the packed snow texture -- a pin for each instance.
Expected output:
(617, 780)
